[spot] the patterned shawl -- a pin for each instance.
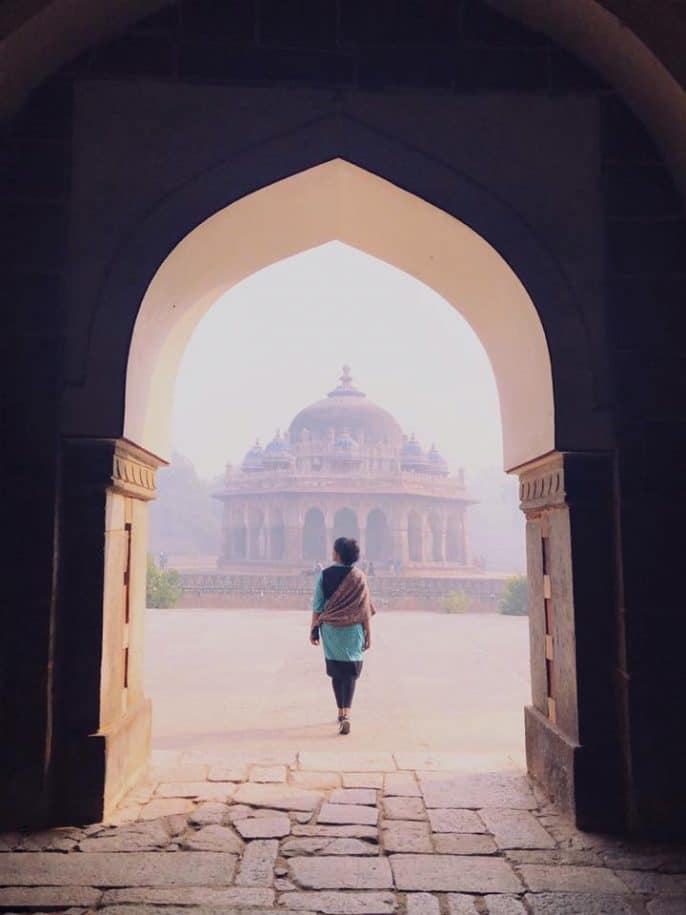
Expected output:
(350, 603)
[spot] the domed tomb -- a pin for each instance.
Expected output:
(347, 412)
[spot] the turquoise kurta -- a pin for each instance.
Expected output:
(341, 643)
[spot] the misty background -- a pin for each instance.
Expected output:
(276, 342)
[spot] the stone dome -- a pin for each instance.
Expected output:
(412, 455)
(347, 411)
(254, 459)
(277, 451)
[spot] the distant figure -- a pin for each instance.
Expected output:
(163, 560)
(370, 569)
(342, 610)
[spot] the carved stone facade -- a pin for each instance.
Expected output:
(344, 468)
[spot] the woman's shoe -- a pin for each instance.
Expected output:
(344, 727)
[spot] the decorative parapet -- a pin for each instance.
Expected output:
(402, 484)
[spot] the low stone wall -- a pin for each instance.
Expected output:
(214, 589)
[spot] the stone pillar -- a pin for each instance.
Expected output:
(573, 726)
(292, 536)
(102, 718)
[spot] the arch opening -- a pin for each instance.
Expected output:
(345, 524)
(339, 201)
(314, 535)
(379, 546)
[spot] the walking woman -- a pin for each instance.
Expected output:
(341, 612)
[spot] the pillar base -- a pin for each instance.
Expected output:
(96, 771)
(585, 783)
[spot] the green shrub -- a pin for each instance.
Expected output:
(515, 599)
(456, 602)
(163, 586)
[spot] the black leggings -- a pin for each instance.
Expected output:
(343, 675)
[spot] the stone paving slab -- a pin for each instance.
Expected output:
(116, 869)
(240, 897)
(401, 784)
(565, 878)
(207, 791)
(327, 846)
(283, 797)
(504, 905)
(257, 864)
(422, 904)
(461, 904)
(341, 832)
(674, 906)
(322, 781)
(139, 909)
(228, 773)
(342, 873)
(268, 773)
(213, 838)
(516, 829)
(164, 807)
(404, 808)
(336, 903)
(209, 813)
(347, 762)
(477, 790)
(584, 904)
(654, 884)
(48, 896)
(406, 836)
(273, 827)
(455, 821)
(448, 843)
(146, 836)
(348, 814)
(363, 780)
(353, 796)
(452, 873)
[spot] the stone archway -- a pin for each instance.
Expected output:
(314, 547)
(337, 200)
(345, 524)
(415, 540)
(378, 539)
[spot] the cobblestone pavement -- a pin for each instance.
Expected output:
(340, 834)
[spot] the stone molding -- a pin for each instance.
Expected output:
(543, 484)
(131, 474)
(115, 464)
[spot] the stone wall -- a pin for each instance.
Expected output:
(219, 590)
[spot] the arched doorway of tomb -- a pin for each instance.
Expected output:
(415, 540)
(378, 542)
(238, 535)
(345, 524)
(435, 526)
(277, 540)
(257, 534)
(339, 201)
(455, 548)
(314, 547)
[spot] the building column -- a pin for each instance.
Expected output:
(292, 536)
(102, 718)
(574, 725)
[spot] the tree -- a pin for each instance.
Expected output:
(163, 586)
(456, 602)
(185, 519)
(515, 599)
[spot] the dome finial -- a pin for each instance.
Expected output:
(346, 386)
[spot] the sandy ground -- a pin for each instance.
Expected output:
(247, 680)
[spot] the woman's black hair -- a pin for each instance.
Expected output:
(348, 549)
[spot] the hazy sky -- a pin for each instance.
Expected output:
(277, 341)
